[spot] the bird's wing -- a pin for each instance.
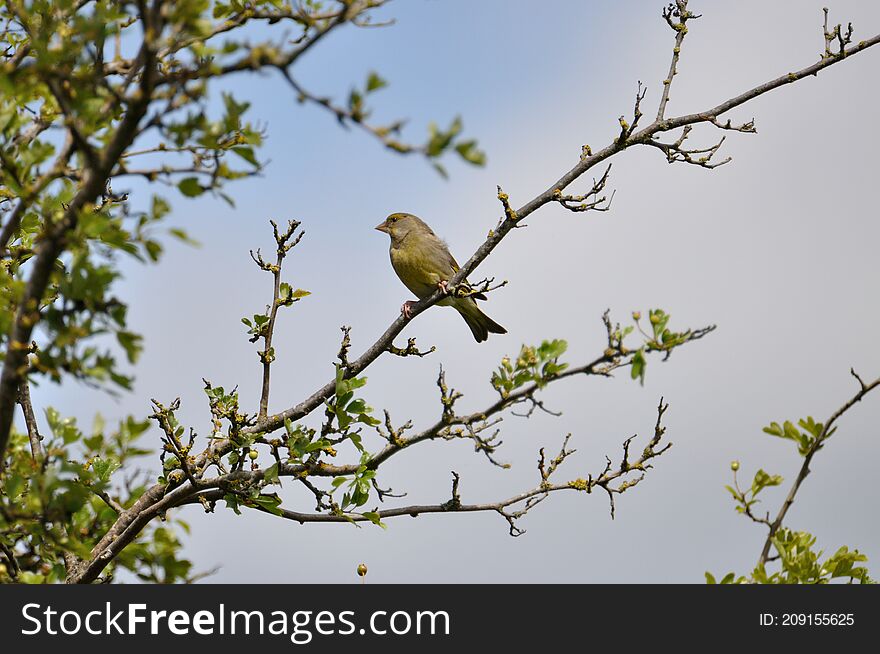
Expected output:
(443, 263)
(440, 255)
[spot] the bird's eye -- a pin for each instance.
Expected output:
(392, 219)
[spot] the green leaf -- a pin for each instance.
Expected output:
(791, 431)
(374, 82)
(132, 344)
(373, 517)
(104, 468)
(356, 105)
(270, 476)
(774, 430)
(358, 406)
(269, 503)
(815, 428)
(15, 484)
(469, 152)
(763, 479)
(247, 153)
(638, 366)
(317, 445)
(182, 236)
(190, 187)
(232, 502)
(159, 207)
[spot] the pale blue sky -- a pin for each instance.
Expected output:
(778, 248)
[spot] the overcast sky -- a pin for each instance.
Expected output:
(778, 248)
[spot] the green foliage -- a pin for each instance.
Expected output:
(440, 141)
(190, 187)
(639, 365)
(536, 365)
(305, 446)
(61, 69)
(807, 439)
(287, 295)
(374, 82)
(77, 107)
(301, 443)
(225, 407)
(156, 559)
(345, 407)
(252, 497)
(258, 327)
(78, 111)
(746, 500)
(54, 84)
(357, 492)
(657, 338)
(52, 506)
(469, 152)
(799, 563)
(729, 578)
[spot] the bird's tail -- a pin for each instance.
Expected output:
(481, 325)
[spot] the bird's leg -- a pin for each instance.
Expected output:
(444, 286)
(406, 309)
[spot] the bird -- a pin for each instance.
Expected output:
(423, 263)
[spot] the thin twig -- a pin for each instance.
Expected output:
(284, 242)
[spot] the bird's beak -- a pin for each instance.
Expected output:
(382, 227)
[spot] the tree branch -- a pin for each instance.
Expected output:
(817, 444)
(109, 501)
(284, 242)
(30, 420)
(513, 219)
(26, 201)
(680, 11)
(12, 568)
(450, 426)
(525, 500)
(55, 237)
(158, 499)
(264, 57)
(100, 167)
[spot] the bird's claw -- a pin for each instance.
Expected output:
(444, 286)
(406, 309)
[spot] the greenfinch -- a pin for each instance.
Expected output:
(423, 262)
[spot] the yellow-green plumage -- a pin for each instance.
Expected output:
(422, 261)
